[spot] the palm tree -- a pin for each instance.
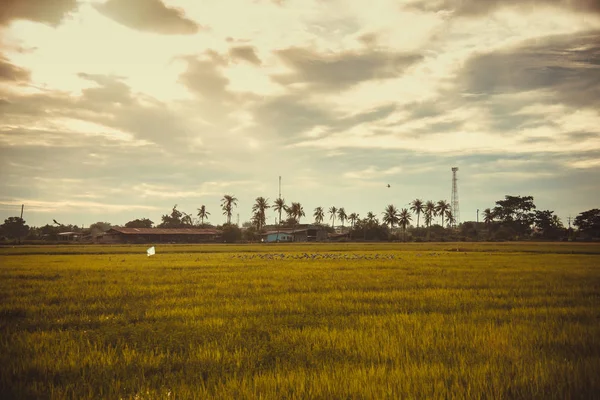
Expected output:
(342, 216)
(279, 206)
(488, 216)
(368, 221)
(371, 217)
(319, 215)
(450, 218)
(441, 208)
(297, 211)
(202, 213)
(404, 219)
(353, 217)
(332, 211)
(390, 215)
(259, 208)
(228, 202)
(417, 206)
(430, 212)
(187, 219)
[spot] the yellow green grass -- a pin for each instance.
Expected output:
(301, 321)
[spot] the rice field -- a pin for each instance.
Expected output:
(306, 321)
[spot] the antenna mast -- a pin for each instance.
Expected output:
(454, 202)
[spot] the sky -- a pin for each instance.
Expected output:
(120, 109)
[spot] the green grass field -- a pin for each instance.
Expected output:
(351, 321)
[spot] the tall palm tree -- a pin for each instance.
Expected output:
(319, 215)
(202, 213)
(353, 217)
(342, 216)
(404, 219)
(297, 211)
(228, 202)
(430, 212)
(417, 206)
(390, 215)
(441, 208)
(259, 209)
(332, 211)
(450, 218)
(488, 216)
(371, 217)
(279, 206)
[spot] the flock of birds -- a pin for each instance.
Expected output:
(319, 256)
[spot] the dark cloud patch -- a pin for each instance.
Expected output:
(149, 15)
(11, 72)
(582, 136)
(479, 7)
(246, 53)
(110, 104)
(203, 76)
(337, 71)
(368, 39)
(110, 89)
(49, 12)
(568, 66)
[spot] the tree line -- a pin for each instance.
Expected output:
(512, 218)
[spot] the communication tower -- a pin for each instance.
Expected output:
(454, 204)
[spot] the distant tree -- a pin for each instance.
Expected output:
(187, 219)
(370, 229)
(404, 219)
(450, 220)
(319, 215)
(172, 220)
(430, 212)
(250, 234)
(441, 208)
(14, 228)
(518, 212)
(279, 206)
(488, 216)
(390, 215)
(297, 211)
(139, 223)
(548, 225)
(202, 214)
(353, 218)
(228, 202)
(588, 222)
(371, 217)
(417, 206)
(231, 233)
(342, 216)
(98, 228)
(259, 209)
(332, 212)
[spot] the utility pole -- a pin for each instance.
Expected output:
(22, 207)
(478, 215)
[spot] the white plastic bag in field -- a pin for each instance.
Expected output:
(151, 251)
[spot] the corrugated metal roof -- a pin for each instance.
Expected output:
(163, 231)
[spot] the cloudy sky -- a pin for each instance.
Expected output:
(115, 110)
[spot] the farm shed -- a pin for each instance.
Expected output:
(302, 233)
(158, 235)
